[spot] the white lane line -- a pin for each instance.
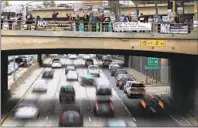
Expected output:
(46, 118)
(89, 119)
(175, 119)
(134, 119)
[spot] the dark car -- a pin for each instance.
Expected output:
(103, 89)
(114, 69)
(99, 56)
(89, 62)
(69, 68)
(151, 104)
(123, 80)
(70, 117)
(87, 79)
(56, 59)
(67, 94)
(24, 61)
(120, 71)
(48, 73)
(104, 108)
(106, 62)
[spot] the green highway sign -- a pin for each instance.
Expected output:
(153, 61)
(151, 67)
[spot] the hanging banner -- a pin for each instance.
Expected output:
(179, 7)
(53, 24)
(174, 28)
(132, 26)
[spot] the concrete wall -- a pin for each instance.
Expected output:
(138, 64)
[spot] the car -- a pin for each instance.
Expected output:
(103, 89)
(89, 62)
(99, 56)
(40, 86)
(113, 63)
(135, 89)
(73, 56)
(116, 123)
(48, 73)
(24, 60)
(94, 70)
(72, 75)
(92, 55)
(122, 81)
(71, 116)
(70, 68)
(114, 69)
(26, 111)
(85, 57)
(56, 64)
(87, 79)
(67, 94)
(56, 59)
(120, 71)
(106, 57)
(106, 62)
(119, 77)
(81, 55)
(151, 104)
(103, 108)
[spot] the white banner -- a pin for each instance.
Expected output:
(132, 26)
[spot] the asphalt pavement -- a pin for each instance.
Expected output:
(49, 105)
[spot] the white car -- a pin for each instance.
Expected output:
(94, 70)
(72, 75)
(73, 56)
(56, 64)
(26, 111)
(85, 57)
(92, 55)
(40, 86)
(135, 88)
(113, 63)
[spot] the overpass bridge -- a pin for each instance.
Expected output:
(180, 49)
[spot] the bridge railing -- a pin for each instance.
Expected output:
(82, 26)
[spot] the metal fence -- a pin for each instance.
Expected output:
(82, 26)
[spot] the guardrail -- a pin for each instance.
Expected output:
(81, 26)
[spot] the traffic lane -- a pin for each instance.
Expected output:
(18, 93)
(120, 111)
(43, 100)
(163, 119)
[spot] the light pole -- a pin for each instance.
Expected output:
(14, 74)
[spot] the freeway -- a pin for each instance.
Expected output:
(49, 105)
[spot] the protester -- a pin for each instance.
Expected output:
(19, 18)
(9, 21)
(37, 20)
(29, 20)
(86, 22)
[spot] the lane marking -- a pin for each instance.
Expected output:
(23, 96)
(174, 118)
(46, 118)
(89, 119)
(134, 119)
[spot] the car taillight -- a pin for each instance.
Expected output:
(61, 117)
(96, 105)
(118, 81)
(111, 104)
(143, 103)
(113, 70)
(80, 115)
(161, 104)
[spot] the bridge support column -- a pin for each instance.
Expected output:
(183, 82)
(5, 93)
(126, 61)
(40, 61)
